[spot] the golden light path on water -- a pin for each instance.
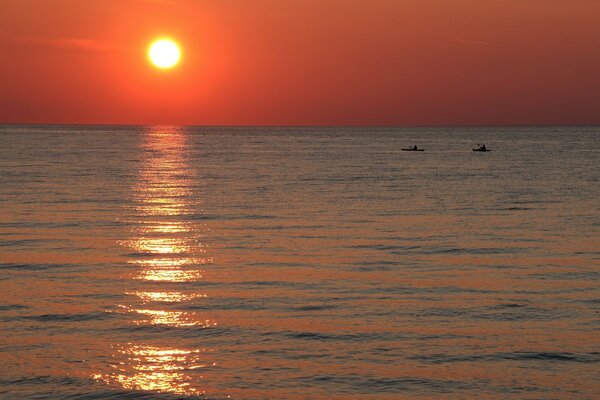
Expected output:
(166, 251)
(165, 297)
(157, 369)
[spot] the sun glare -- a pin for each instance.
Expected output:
(164, 53)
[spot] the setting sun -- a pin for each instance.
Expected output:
(164, 53)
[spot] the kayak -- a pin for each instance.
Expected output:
(481, 150)
(412, 149)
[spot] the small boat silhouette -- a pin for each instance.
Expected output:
(414, 148)
(481, 148)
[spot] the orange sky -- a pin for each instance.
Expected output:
(302, 62)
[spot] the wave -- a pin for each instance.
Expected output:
(587, 358)
(74, 388)
(34, 267)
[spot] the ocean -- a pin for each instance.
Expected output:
(299, 263)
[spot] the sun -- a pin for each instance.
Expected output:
(164, 53)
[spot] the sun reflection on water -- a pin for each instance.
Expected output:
(159, 246)
(166, 297)
(167, 227)
(169, 275)
(166, 249)
(173, 318)
(168, 317)
(158, 369)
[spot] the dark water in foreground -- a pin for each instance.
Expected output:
(299, 263)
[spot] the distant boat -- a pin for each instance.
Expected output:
(481, 148)
(413, 149)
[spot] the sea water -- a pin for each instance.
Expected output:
(299, 263)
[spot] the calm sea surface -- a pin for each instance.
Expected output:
(305, 263)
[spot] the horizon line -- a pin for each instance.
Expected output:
(302, 125)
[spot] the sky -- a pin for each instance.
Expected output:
(302, 62)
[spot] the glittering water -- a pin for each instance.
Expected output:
(257, 263)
